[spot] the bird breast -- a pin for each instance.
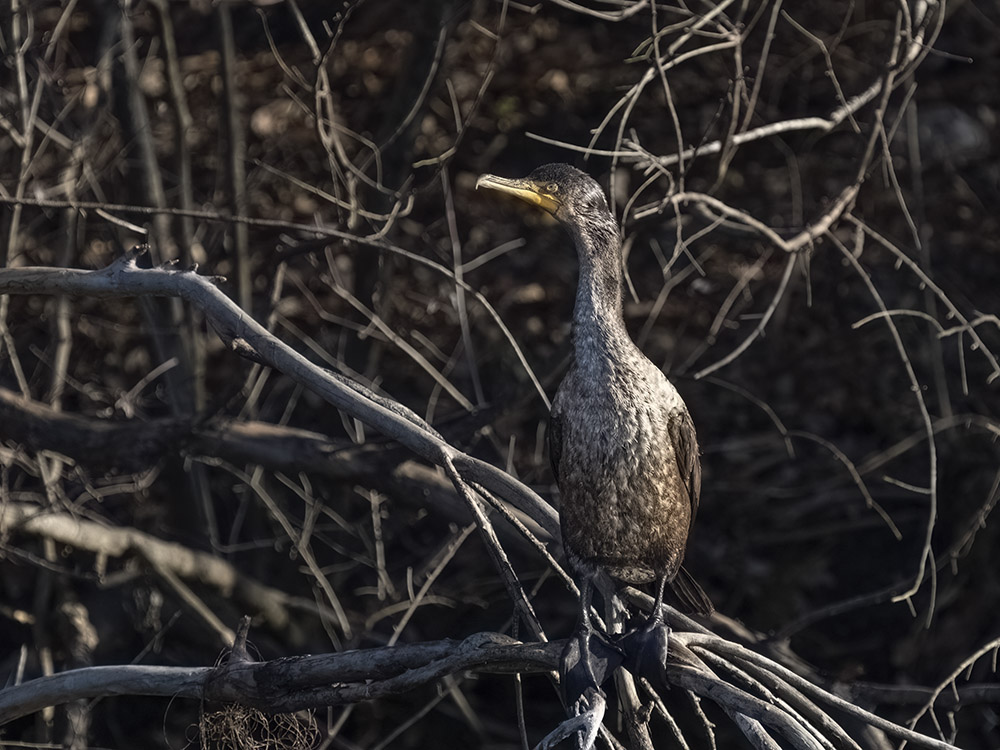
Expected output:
(624, 503)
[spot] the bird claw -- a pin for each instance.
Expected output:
(588, 713)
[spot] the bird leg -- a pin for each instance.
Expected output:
(656, 616)
(575, 667)
(586, 661)
(646, 647)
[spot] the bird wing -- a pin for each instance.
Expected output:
(682, 435)
(685, 442)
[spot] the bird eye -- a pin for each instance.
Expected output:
(552, 187)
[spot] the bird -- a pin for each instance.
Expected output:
(622, 442)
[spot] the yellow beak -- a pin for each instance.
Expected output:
(524, 189)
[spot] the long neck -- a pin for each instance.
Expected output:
(598, 322)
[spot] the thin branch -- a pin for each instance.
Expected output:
(728, 648)
(192, 565)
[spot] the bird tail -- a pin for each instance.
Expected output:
(690, 594)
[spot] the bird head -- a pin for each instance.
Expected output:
(563, 191)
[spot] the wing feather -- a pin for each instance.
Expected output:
(685, 442)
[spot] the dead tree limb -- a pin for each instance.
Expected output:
(291, 684)
(124, 278)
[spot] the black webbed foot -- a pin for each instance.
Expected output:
(646, 647)
(587, 661)
(645, 651)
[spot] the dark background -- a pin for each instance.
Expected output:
(784, 531)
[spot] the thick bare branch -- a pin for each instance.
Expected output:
(291, 684)
(246, 337)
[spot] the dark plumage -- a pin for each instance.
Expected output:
(622, 442)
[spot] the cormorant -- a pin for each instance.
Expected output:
(621, 440)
